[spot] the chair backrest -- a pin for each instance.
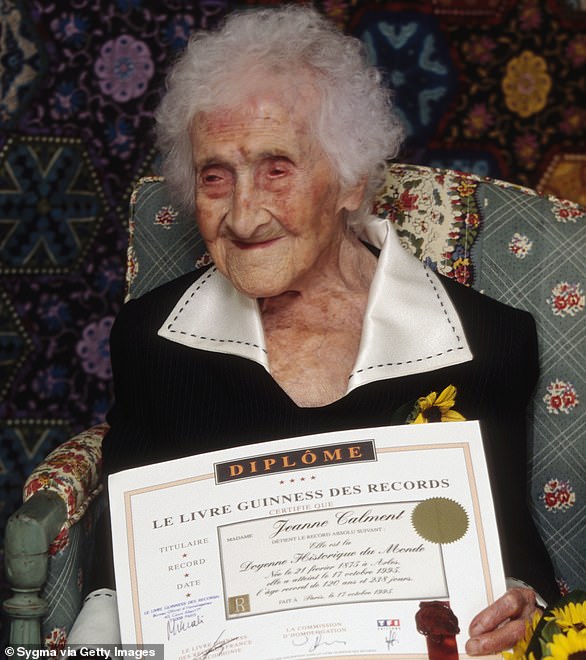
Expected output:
(519, 247)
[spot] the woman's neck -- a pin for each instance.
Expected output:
(313, 334)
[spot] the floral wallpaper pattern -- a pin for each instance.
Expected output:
(495, 87)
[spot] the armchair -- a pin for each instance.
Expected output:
(506, 241)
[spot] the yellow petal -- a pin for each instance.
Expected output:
(447, 397)
(452, 416)
(426, 402)
(563, 646)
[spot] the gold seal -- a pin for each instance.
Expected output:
(440, 520)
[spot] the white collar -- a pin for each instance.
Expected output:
(410, 325)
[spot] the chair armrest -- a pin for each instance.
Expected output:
(57, 494)
(72, 471)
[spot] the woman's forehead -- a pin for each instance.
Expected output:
(248, 134)
(291, 89)
(261, 119)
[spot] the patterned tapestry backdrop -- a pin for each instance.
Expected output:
(490, 86)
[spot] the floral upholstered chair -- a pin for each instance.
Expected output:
(508, 242)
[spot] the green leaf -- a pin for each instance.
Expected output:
(550, 629)
(405, 413)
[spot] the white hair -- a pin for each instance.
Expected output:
(355, 124)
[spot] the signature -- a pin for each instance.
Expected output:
(218, 646)
(176, 626)
(392, 639)
(313, 643)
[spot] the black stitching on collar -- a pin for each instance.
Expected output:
(428, 357)
(187, 334)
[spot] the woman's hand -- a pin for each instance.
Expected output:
(501, 625)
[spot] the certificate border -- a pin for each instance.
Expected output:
(464, 446)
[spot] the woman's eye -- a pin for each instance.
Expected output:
(212, 177)
(277, 169)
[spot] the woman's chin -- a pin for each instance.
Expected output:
(260, 282)
(257, 292)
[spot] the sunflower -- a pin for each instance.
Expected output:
(573, 615)
(519, 651)
(569, 646)
(434, 408)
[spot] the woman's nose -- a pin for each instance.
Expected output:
(246, 211)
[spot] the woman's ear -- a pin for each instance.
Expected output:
(351, 198)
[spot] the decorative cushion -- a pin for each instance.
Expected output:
(435, 215)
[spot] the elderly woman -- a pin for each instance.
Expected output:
(274, 132)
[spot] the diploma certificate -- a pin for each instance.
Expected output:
(321, 546)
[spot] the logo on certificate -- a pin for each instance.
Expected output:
(239, 604)
(388, 623)
(391, 628)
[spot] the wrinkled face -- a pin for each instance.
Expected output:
(269, 206)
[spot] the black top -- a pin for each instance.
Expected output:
(174, 401)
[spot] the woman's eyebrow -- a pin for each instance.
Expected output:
(277, 154)
(212, 161)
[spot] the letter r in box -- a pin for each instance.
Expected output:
(239, 605)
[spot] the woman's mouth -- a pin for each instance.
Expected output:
(255, 244)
